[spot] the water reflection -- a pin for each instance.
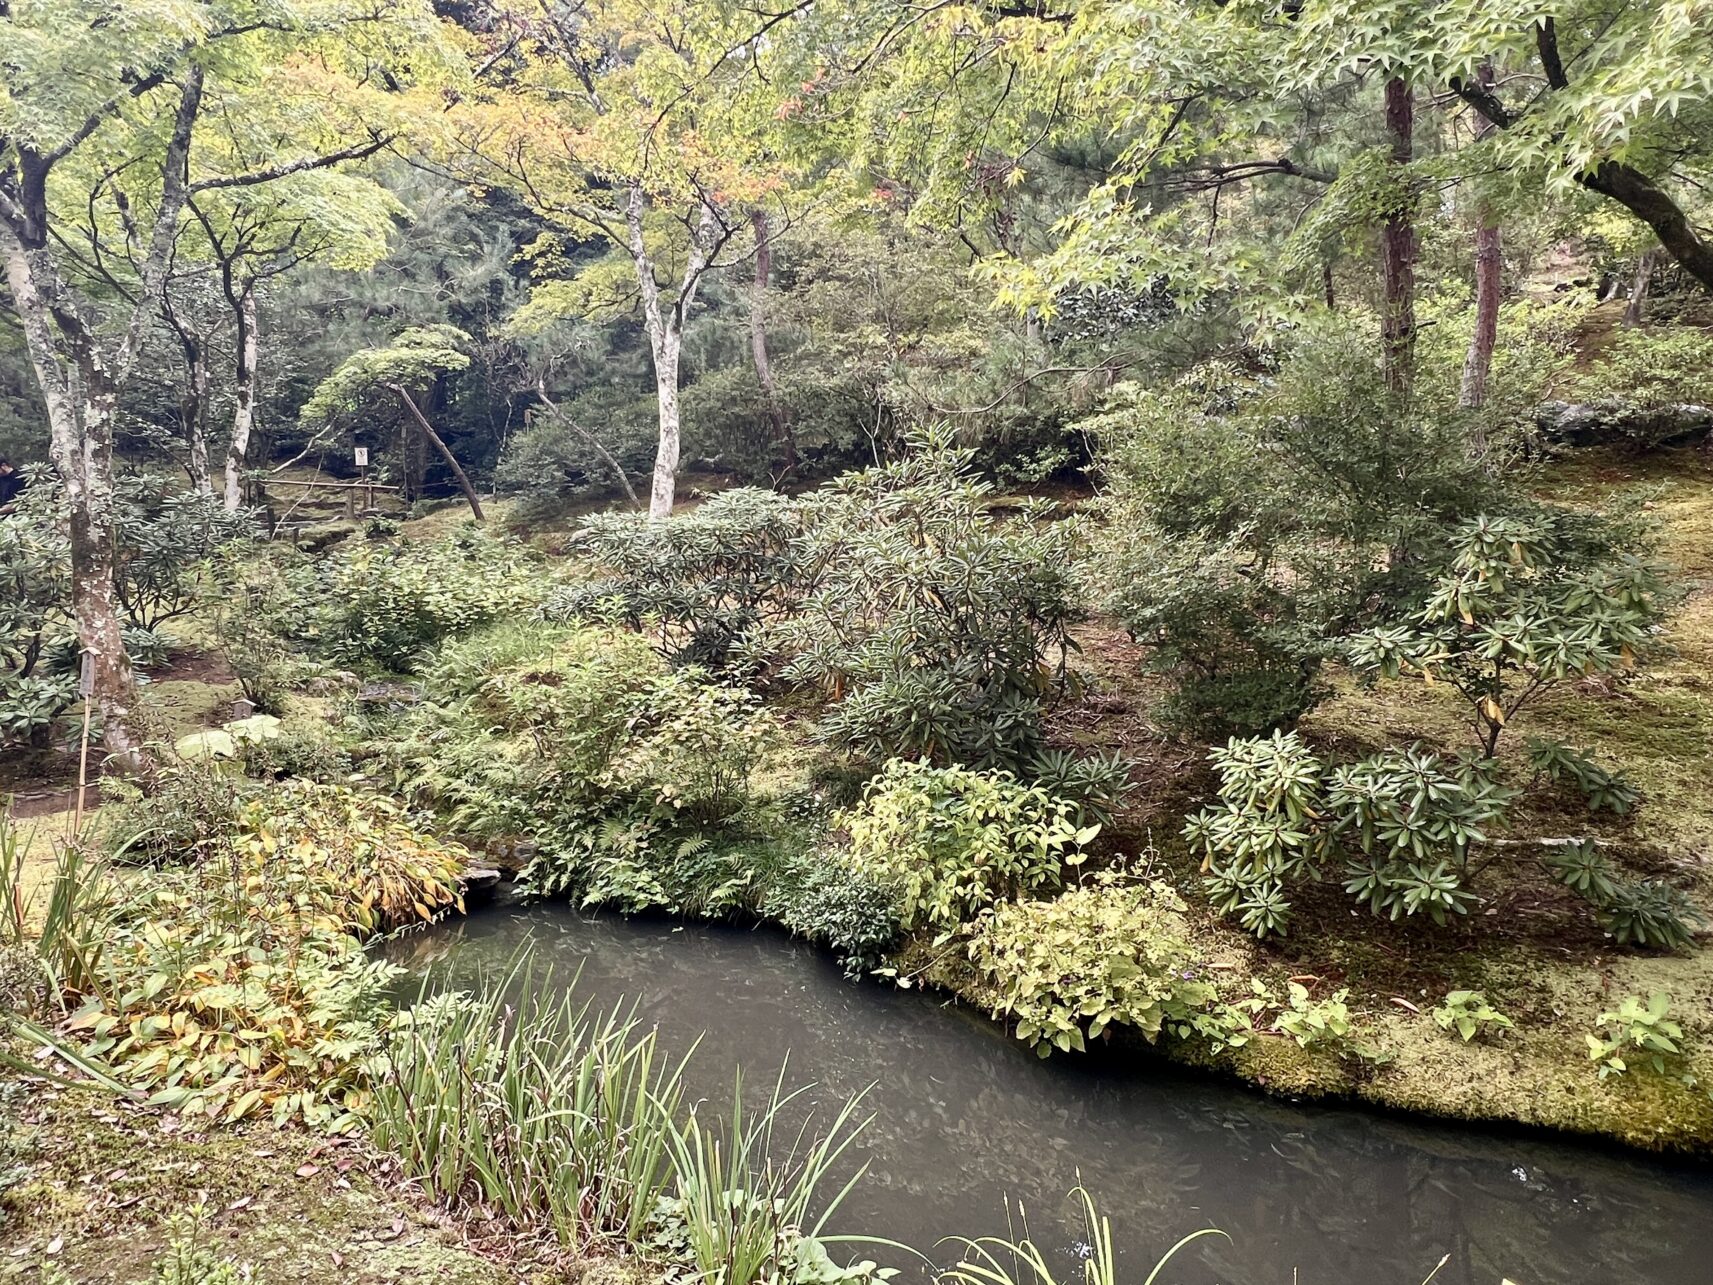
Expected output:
(966, 1118)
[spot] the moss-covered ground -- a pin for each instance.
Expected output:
(1533, 949)
(90, 1187)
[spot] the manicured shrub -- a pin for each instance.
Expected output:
(948, 842)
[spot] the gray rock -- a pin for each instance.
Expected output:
(1611, 420)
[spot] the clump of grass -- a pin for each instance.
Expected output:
(743, 1206)
(546, 1112)
(573, 1121)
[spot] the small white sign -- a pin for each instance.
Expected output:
(362, 453)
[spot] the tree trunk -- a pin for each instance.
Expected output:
(663, 488)
(244, 397)
(80, 444)
(445, 452)
(666, 334)
(193, 413)
(1639, 288)
(776, 415)
(1478, 362)
(1398, 244)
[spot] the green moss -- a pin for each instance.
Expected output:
(101, 1179)
(185, 705)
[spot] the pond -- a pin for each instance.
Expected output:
(966, 1119)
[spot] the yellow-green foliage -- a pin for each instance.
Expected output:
(951, 841)
(240, 985)
(1103, 954)
(350, 862)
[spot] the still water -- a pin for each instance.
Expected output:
(968, 1123)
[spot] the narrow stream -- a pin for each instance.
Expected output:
(966, 1118)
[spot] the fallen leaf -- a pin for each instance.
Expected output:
(1401, 1002)
(54, 1246)
(308, 1170)
(239, 1203)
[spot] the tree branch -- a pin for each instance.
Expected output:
(356, 152)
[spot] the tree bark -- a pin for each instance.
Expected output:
(80, 445)
(1638, 303)
(445, 452)
(665, 328)
(1398, 244)
(1478, 362)
(243, 394)
(193, 413)
(776, 415)
(80, 377)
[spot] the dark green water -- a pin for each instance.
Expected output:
(967, 1119)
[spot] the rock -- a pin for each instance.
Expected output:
(1614, 420)
(479, 884)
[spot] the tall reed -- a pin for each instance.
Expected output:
(571, 1120)
(1018, 1260)
(748, 1206)
(544, 1111)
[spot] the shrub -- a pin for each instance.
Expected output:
(357, 864)
(241, 986)
(838, 906)
(950, 841)
(1405, 821)
(1101, 955)
(1603, 789)
(208, 1003)
(1647, 912)
(583, 740)
(386, 606)
(163, 540)
(1651, 913)
(1526, 604)
(704, 580)
(35, 615)
(295, 752)
(262, 611)
(1469, 1014)
(937, 630)
(187, 814)
(1256, 519)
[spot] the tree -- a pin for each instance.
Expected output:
(102, 127)
(646, 131)
(1478, 364)
(416, 358)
